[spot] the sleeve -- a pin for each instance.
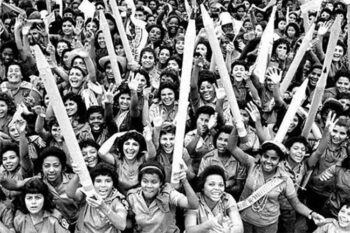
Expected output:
(241, 172)
(289, 188)
(323, 229)
(120, 204)
(204, 163)
(229, 202)
(7, 217)
(175, 197)
(18, 221)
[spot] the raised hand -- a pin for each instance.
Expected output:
(147, 132)
(331, 121)
(253, 111)
(326, 175)
(324, 28)
(274, 74)
(220, 93)
(133, 83)
(39, 110)
(157, 118)
(110, 94)
(21, 126)
(213, 120)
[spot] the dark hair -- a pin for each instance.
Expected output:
(94, 20)
(53, 151)
(172, 74)
(279, 42)
(240, 63)
(169, 85)
(68, 10)
(11, 106)
(81, 108)
(168, 128)
(135, 136)
(290, 142)
(269, 145)
(162, 31)
(104, 169)
(152, 167)
(65, 19)
(11, 45)
(211, 170)
(296, 28)
(20, 68)
(95, 109)
(145, 74)
(278, 20)
(111, 18)
(167, 48)
(315, 66)
(123, 89)
(205, 110)
(10, 147)
(223, 129)
(207, 45)
(149, 50)
(177, 59)
(343, 122)
(89, 142)
(342, 73)
(346, 163)
(206, 75)
(37, 186)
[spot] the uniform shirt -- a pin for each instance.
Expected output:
(159, 216)
(127, 173)
(327, 159)
(6, 215)
(266, 210)
(204, 145)
(204, 213)
(233, 169)
(92, 220)
(67, 206)
(167, 116)
(332, 227)
(50, 223)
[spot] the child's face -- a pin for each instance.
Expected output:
(344, 217)
(103, 185)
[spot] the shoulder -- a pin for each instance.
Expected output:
(56, 218)
(209, 155)
(133, 192)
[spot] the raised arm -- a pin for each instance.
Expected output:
(26, 163)
(237, 152)
(106, 147)
(133, 85)
(194, 94)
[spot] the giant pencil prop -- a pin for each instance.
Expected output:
(321, 84)
(184, 94)
(62, 118)
(121, 30)
(265, 48)
(297, 59)
(219, 60)
(110, 48)
(348, 18)
(297, 100)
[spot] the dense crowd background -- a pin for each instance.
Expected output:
(227, 181)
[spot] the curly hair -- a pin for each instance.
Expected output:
(104, 169)
(135, 136)
(11, 106)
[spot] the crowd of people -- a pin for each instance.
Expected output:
(125, 116)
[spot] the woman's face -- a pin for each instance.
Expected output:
(338, 53)
(67, 28)
(111, 25)
(101, 41)
(13, 132)
(60, 47)
(91, 26)
(34, 202)
(207, 91)
(248, 25)
(344, 217)
(259, 17)
(71, 107)
(131, 148)
(345, 103)
(52, 168)
(173, 25)
(221, 142)
(78, 61)
(151, 20)
(202, 50)
(338, 134)
(167, 142)
(150, 185)
(10, 161)
(14, 74)
(293, 124)
(3, 109)
(124, 101)
(258, 30)
(119, 50)
(281, 25)
(142, 83)
(281, 51)
(76, 78)
(7, 55)
(103, 185)
(65, 59)
(238, 72)
(173, 65)
(148, 60)
(269, 161)
(167, 96)
(214, 187)
(155, 34)
(342, 85)
(96, 122)
(297, 152)
(56, 133)
(291, 32)
(164, 56)
(152, 5)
